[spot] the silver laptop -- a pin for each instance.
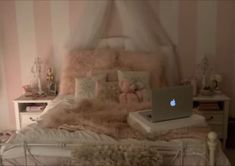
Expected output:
(170, 103)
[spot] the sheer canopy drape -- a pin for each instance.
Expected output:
(139, 25)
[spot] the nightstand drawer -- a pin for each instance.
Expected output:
(28, 118)
(214, 118)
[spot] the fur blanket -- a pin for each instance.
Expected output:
(109, 118)
(101, 117)
(117, 154)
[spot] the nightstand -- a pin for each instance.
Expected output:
(23, 114)
(215, 109)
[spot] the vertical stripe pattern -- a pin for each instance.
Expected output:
(60, 31)
(187, 36)
(206, 29)
(168, 14)
(42, 28)
(11, 57)
(27, 41)
(75, 11)
(43, 31)
(4, 113)
(225, 43)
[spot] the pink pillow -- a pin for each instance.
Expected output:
(107, 91)
(79, 62)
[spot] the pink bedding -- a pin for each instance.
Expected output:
(109, 118)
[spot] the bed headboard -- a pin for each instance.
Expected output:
(126, 43)
(79, 62)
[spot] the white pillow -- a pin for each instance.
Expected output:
(85, 87)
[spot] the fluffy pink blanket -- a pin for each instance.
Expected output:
(108, 118)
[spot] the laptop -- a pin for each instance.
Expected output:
(170, 103)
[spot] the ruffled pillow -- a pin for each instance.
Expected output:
(85, 87)
(107, 91)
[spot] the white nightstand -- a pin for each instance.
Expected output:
(216, 118)
(23, 117)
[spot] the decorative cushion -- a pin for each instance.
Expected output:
(137, 77)
(107, 90)
(85, 87)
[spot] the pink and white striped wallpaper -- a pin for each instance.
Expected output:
(39, 27)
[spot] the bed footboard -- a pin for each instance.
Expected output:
(212, 143)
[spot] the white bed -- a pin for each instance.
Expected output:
(177, 152)
(38, 146)
(35, 145)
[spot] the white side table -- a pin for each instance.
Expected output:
(217, 119)
(24, 118)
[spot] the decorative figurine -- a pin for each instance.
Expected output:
(36, 70)
(204, 70)
(51, 85)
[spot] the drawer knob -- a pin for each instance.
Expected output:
(210, 118)
(32, 119)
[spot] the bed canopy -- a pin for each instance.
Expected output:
(141, 30)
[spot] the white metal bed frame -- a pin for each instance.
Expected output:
(176, 151)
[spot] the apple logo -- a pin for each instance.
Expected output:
(173, 103)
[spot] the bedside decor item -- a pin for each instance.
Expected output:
(36, 70)
(207, 91)
(215, 81)
(28, 90)
(205, 69)
(51, 84)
